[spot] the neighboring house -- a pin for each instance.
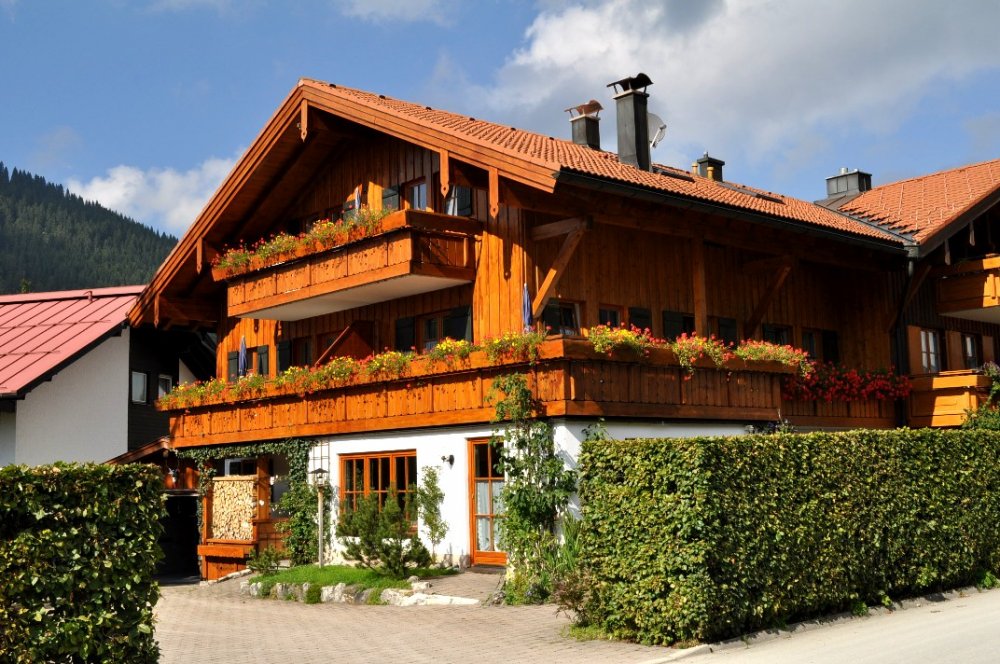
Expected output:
(495, 220)
(77, 384)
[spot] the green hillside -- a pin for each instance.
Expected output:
(51, 239)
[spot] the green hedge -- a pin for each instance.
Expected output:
(708, 538)
(78, 548)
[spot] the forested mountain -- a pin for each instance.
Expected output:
(51, 239)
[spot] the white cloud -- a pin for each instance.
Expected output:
(433, 11)
(749, 80)
(163, 198)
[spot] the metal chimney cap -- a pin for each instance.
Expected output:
(631, 83)
(592, 107)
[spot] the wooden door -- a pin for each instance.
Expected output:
(485, 483)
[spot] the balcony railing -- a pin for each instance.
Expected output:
(942, 400)
(413, 252)
(568, 379)
(866, 414)
(971, 289)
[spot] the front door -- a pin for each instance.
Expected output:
(485, 482)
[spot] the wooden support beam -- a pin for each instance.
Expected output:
(445, 172)
(180, 310)
(561, 227)
(751, 324)
(556, 271)
(303, 119)
(494, 192)
(699, 288)
(913, 285)
(205, 253)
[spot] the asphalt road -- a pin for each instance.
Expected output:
(964, 627)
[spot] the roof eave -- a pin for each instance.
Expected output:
(966, 216)
(634, 191)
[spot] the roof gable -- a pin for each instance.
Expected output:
(925, 206)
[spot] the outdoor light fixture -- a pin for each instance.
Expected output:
(319, 481)
(449, 459)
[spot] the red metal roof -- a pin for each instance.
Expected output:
(920, 206)
(42, 332)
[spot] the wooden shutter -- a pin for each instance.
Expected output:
(953, 349)
(406, 334)
(458, 323)
(989, 353)
(913, 348)
(263, 364)
(640, 317)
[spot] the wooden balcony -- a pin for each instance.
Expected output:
(868, 414)
(970, 289)
(413, 252)
(942, 400)
(569, 379)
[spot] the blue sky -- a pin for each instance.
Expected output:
(144, 105)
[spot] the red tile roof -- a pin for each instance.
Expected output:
(920, 206)
(557, 154)
(41, 332)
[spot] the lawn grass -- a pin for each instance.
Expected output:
(331, 575)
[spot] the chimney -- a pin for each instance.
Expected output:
(585, 124)
(848, 183)
(633, 128)
(709, 167)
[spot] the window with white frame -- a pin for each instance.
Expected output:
(139, 388)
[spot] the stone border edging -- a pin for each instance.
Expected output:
(343, 593)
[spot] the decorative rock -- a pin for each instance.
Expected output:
(363, 596)
(256, 590)
(420, 585)
(392, 596)
(413, 579)
(284, 590)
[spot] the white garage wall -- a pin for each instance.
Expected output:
(82, 413)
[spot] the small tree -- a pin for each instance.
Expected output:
(429, 499)
(383, 538)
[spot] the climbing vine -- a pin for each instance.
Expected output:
(537, 488)
(299, 501)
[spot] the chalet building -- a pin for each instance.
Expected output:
(497, 227)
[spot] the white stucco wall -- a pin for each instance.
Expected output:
(82, 413)
(7, 431)
(433, 444)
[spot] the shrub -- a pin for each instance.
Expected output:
(727, 535)
(382, 537)
(264, 562)
(300, 504)
(429, 499)
(78, 549)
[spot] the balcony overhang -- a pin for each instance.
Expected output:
(411, 253)
(970, 290)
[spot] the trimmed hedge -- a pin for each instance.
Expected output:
(78, 548)
(707, 538)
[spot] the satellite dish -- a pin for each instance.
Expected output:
(657, 129)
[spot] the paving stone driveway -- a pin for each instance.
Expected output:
(214, 624)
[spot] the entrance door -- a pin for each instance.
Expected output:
(485, 483)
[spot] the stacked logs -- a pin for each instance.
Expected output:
(234, 505)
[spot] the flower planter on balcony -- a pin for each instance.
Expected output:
(412, 252)
(569, 379)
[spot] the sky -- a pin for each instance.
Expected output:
(145, 105)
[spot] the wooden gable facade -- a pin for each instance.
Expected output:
(585, 248)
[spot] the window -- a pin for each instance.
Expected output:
(777, 334)
(164, 384)
(377, 474)
(971, 351)
(822, 345)
(301, 352)
(459, 201)
(415, 194)
(390, 198)
(676, 323)
(243, 466)
(561, 318)
(609, 315)
(262, 365)
(431, 331)
(139, 387)
(930, 351)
